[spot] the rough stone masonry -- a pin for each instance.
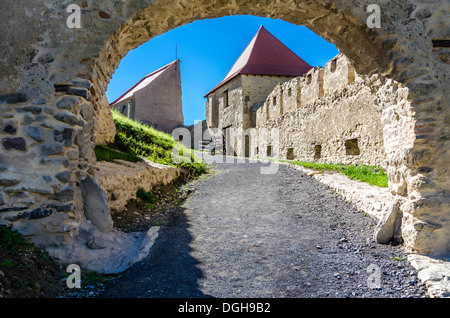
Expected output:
(53, 108)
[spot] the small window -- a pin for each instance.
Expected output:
(290, 154)
(317, 152)
(289, 92)
(308, 79)
(351, 147)
(274, 100)
(333, 65)
(225, 99)
(269, 151)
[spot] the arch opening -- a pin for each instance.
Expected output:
(53, 93)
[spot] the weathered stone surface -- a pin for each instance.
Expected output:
(14, 143)
(70, 119)
(121, 180)
(87, 111)
(2, 199)
(32, 109)
(13, 98)
(64, 195)
(78, 91)
(63, 176)
(95, 205)
(38, 213)
(10, 129)
(61, 161)
(8, 181)
(64, 136)
(67, 103)
(72, 155)
(51, 149)
(36, 133)
(434, 273)
(47, 178)
(389, 227)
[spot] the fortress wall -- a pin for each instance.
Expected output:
(344, 125)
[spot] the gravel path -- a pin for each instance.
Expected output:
(247, 234)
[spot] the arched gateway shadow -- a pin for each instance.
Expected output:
(169, 271)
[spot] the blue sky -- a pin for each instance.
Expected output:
(207, 50)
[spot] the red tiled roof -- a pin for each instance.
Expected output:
(266, 55)
(142, 83)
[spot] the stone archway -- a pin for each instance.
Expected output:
(52, 96)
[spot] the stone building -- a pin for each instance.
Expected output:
(329, 114)
(155, 100)
(233, 103)
(272, 104)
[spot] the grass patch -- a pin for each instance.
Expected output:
(134, 140)
(11, 239)
(26, 271)
(373, 175)
(108, 154)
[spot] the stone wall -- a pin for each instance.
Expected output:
(324, 119)
(121, 180)
(53, 107)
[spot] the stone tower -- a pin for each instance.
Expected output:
(265, 63)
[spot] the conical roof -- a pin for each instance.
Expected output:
(266, 55)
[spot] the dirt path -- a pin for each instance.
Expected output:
(247, 234)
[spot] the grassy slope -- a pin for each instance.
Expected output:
(134, 140)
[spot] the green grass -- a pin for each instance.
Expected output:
(134, 140)
(11, 239)
(108, 154)
(147, 197)
(373, 175)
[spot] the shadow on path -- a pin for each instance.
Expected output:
(169, 271)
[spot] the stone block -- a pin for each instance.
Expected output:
(38, 213)
(14, 143)
(69, 119)
(64, 136)
(14, 98)
(8, 181)
(63, 176)
(389, 227)
(95, 205)
(36, 133)
(32, 109)
(51, 149)
(67, 103)
(10, 129)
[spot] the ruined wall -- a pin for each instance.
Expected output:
(52, 94)
(121, 179)
(325, 119)
(245, 94)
